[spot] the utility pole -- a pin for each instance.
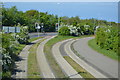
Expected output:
(58, 23)
(94, 27)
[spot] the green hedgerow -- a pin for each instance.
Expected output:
(64, 31)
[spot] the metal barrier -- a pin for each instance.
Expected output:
(9, 29)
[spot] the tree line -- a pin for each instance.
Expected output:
(13, 17)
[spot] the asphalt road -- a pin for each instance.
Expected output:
(81, 62)
(65, 66)
(100, 62)
(42, 61)
(33, 35)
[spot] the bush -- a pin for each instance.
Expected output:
(73, 30)
(107, 38)
(8, 52)
(64, 31)
(23, 37)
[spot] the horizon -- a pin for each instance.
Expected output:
(87, 10)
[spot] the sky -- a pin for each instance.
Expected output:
(85, 10)
(59, 0)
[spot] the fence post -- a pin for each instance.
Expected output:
(15, 29)
(8, 29)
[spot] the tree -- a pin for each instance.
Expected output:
(107, 38)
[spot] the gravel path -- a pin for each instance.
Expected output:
(100, 62)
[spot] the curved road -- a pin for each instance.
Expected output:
(33, 35)
(82, 63)
(100, 62)
(42, 61)
(65, 66)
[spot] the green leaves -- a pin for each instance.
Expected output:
(23, 37)
(107, 38)
(64, 31)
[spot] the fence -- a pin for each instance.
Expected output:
(8, 29)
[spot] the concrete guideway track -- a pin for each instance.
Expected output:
(105, 65)
(42, 61)
(21, 64)
(65, 66)
(79, 61)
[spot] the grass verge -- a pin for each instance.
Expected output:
(21, 46)
(33, 39)
(47, 49)
(33, 69)
(78, 68)
(108, 53)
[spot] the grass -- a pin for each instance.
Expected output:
(33, 69)
(78, 68)
(53, 64)
(20, 47)
(72, 48)
(108, 53)
(33, 39)
(47, 49)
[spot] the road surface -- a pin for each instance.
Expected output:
(33, 35)
(65, 66)
(79, 61)
(100, 62)
(42, 61)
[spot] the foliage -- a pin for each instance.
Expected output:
(12, 17)
(109, 53)
(107, 38)
(10, 50)
(73, 30)
(64, 31)
(79, 29)
(23, 37)
(9, 45)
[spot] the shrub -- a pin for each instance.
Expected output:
(73, 30)
(64, 31)
(23, 37)
(107, 38)
(8, 52)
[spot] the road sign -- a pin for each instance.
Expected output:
(38, 27)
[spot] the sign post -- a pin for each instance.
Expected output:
(37, 27)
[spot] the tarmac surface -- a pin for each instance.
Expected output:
(65, 66)
(100, 62)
